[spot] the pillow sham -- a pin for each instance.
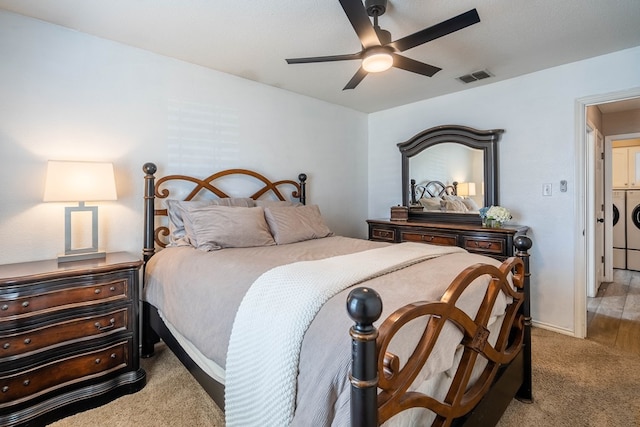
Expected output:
(471, 204)
(176, 208)
(455, 206)
(431, 203)
(215, 227)
(296, 224)
(270, 203)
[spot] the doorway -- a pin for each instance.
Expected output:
(586, 263)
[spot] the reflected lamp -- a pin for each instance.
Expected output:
(71, 181)
(467, 189)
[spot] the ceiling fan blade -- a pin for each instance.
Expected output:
(356, 79)
(357, 14)
(330, 58)
(414, 66)
(439, 30)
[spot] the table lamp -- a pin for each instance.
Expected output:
(466, 189)
(70, 181)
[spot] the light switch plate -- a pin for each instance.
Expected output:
(546, 189)
(563, 186)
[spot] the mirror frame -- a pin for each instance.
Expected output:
(485, 140)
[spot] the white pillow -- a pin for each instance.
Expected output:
(431, 203)
(471, 205)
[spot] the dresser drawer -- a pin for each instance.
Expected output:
(383, 234)
(434, 238)
(64, 332)
(63, 372)
(484, 245)
(75, 295)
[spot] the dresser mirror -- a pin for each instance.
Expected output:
(449, 172)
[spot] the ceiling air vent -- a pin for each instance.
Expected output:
(477, 75)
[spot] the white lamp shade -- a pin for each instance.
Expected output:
(69, 181)
(467, 189)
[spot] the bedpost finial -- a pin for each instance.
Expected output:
(364, 306)
(149, 168)
(522, 243)
(302, 177)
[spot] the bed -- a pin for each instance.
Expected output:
(455, 338)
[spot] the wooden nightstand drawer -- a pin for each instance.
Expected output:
(64, 332)
(77, 294)
(427, 237)
(383, 234)
(69, 336)
(484, 245)
(63, 372)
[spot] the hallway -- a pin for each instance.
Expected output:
(613, 315)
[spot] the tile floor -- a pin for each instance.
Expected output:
(613, 315)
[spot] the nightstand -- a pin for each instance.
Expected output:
(69, 337)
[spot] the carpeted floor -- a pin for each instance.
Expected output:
(576, 383)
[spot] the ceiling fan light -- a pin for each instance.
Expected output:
(377, 61)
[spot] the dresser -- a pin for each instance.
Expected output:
(493, 242)
(69, 337)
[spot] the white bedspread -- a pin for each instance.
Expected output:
(303, 288)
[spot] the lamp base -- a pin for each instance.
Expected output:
(81, 257)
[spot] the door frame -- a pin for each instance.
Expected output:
(583, 176)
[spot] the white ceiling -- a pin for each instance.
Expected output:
(252, 38)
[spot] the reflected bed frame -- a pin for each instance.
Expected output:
(377, 392)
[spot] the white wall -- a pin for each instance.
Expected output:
(68, 95)
(538, 113)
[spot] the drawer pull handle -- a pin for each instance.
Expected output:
(5, 307)
(98, 361)
(112, 288)
(384, 233)
(427, 238)
(25, 304)
(486, 246)
(112, 323)
(27, 340)
(97, 291)
(6, 345)
(5, 389)
(113, 355)
(26, 382)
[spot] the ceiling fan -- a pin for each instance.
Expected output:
(378, 52)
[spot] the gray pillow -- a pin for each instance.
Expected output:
(176, 209)
(296, 224)
(214, 227)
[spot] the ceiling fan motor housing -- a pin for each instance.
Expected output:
(375, 7)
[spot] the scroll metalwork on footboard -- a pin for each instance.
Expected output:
(375, 368)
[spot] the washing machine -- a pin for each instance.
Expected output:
(619, 230)
(633, 230)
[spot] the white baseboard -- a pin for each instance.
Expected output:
(553, 328)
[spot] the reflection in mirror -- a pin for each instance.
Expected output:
(453, 165)
(449, 172)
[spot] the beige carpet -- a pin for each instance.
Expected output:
(171, 398)
(576, 383)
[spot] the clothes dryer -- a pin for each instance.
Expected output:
(633, 230)
(619, 230)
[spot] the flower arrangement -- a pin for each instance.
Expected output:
(493, 216)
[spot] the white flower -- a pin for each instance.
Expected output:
(498, 213)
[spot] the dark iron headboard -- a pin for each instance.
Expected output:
(154, 190)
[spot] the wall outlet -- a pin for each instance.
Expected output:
(546, 189)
